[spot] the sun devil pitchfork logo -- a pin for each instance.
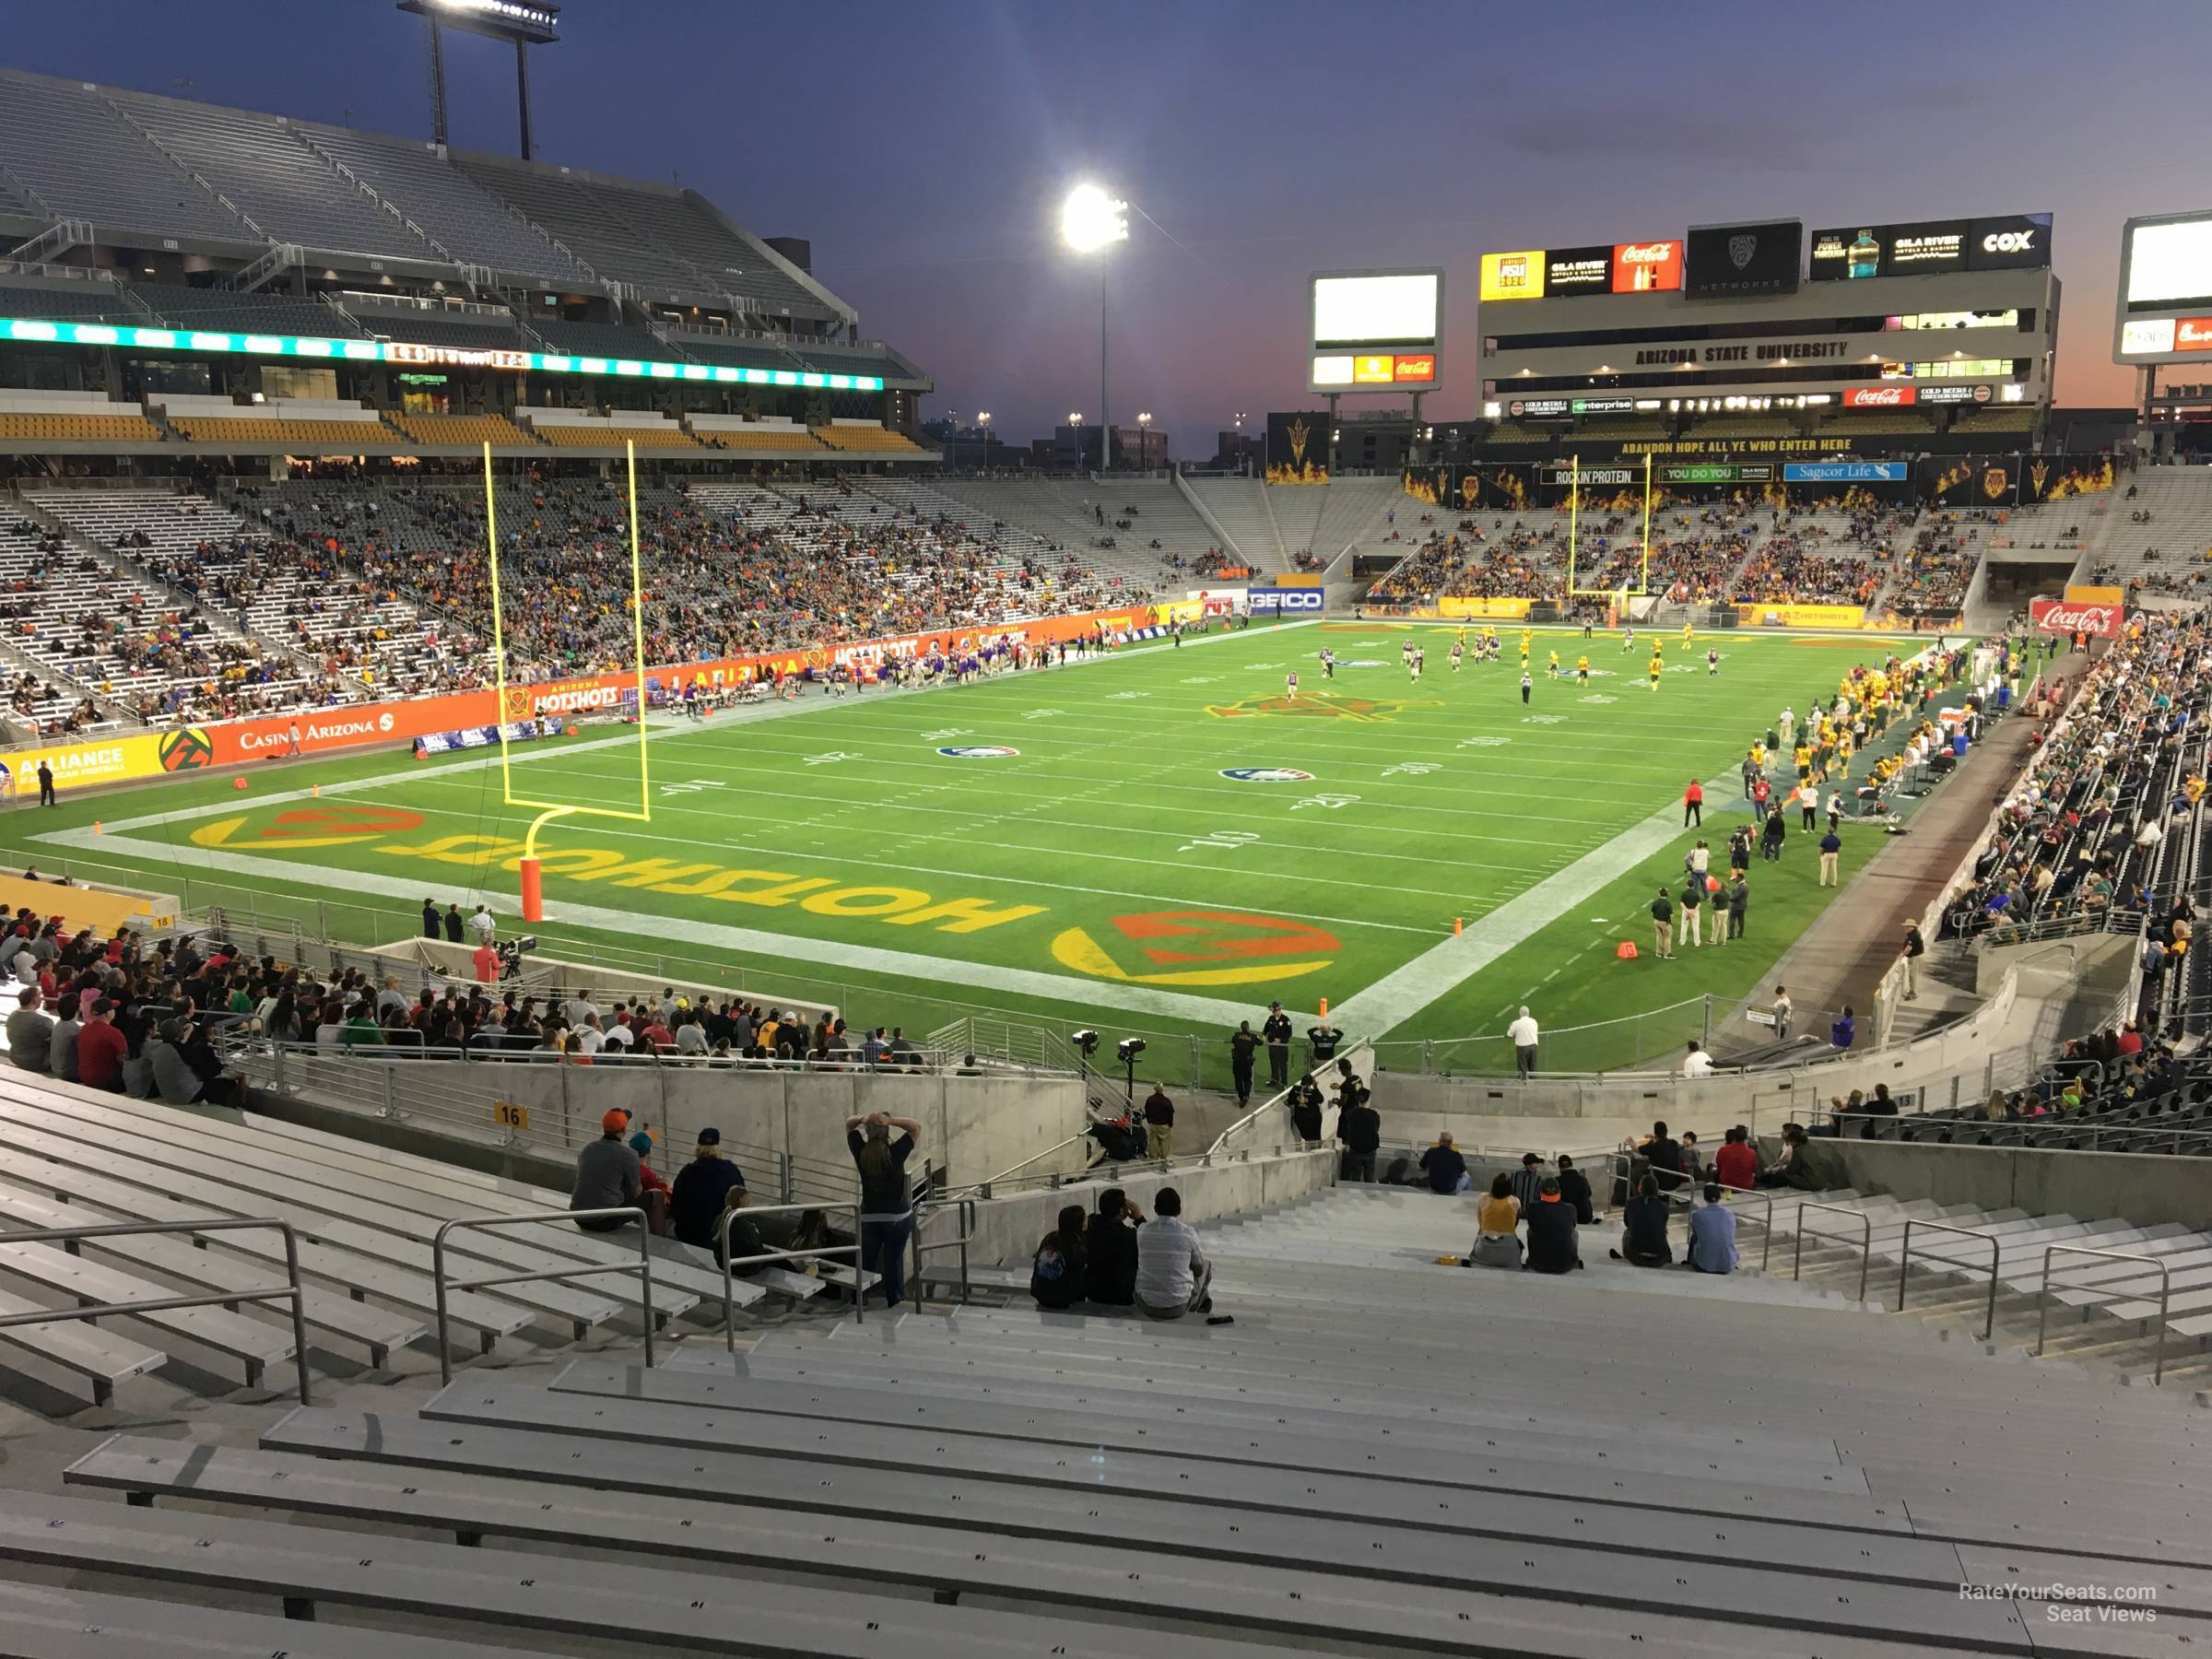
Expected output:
(1197, 948)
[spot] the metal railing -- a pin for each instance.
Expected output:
(1865, 1239)
(1730, 1194)
(768, 1257)
(2042, 1295)
(642, 1267)
(290, 1290)
(965, 1209)
(1904, 1264)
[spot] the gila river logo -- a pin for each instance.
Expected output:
(1197, 948)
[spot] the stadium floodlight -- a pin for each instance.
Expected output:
(519, 23)
(1090, 221)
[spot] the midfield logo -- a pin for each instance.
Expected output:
(1322, 705)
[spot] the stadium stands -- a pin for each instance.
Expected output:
(867, 438)
(74, 417)
(1078, 516)
(80, 159)
(456, 213)
(1240, 507)
(730, 431)
(189, 307)
(462, 428)
(2156, 537)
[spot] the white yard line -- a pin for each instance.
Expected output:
(1404, 991)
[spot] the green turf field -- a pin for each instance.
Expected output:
(1070, 846)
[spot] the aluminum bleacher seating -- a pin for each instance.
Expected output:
(67, 144)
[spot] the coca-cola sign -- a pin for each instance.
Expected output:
(1879, 397)
(1646, 268)
(2058, 616)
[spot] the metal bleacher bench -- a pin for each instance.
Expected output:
(37, 1622)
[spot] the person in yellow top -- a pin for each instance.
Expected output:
(1805, 761)
(1656, 666)
(1490, 636)
(2193, 789)
(1524, 654)
(1552, 669)
(1758, 755)
(1581, 669)
(1463, 636)
(1689, 634)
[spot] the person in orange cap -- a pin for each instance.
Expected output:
(608, 1176)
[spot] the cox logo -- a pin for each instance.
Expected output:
(2008, 241)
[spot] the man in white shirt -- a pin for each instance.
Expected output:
(1172, 1273)
(486, 927)
(1697, 1063)
(588, 1039)
(1523, 1034)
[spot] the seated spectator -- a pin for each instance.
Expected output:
(1172, 1273)
(61, 1050)
(1574, 1190)
(1736, 1164)
(1551, 1222)
(100, 1048)
(1110, 1251)
(1445, 1168)
(745, 1238)
(29, 1033)
(1644, 1241)
(1496, 1243)
(655, 1186)
(1789, 1169)
(1528, 1179)
(1057, 1265)
(606, 1174)
(1663, 1154)
(1711, 1234)
(702, 1192)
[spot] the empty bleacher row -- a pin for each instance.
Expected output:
(2154, 538)
(1381, 1451)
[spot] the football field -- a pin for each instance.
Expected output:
(1156, 842)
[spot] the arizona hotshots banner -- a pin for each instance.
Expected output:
(140, 754)
(2099, 617)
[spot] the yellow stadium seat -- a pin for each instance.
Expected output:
(870, 440)
(786, 439)
(462, 428)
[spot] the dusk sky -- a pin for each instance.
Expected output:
(925, 149)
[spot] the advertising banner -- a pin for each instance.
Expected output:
(1513, 276)
(2021, 241)
(1497, 609)
(1284, 601)
(1569, 271)
(2064, 617)
(1495, 488)
(107, 759)
(2063, 478)
(1731, 261)
(2084, 594)
(1845, 472)
(1925, 247)
(1803, 615)
(1879, 397)
(1298, 442)
(1646, 268)
(1715, 472)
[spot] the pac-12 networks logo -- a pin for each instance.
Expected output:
(1197, 948)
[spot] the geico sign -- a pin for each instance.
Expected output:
(2053, 616)
(582, 696)
(2008, 241)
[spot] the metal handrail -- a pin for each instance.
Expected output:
(729, 1291)
(2042, 1296)
(1904, 1264)
(965, 1209)
(292, 1289)
(643, 1268)
(1730, 1194)
(984, 1187)
(1865, 1223)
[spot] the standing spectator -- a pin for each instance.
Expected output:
(608, 1175)
(1523, 1034)
(702, 1192)
(1173, 1277)
(1275, 1030)
(1772, 835)
(1359, 1128)
(29, 1033)
(486, 927)
(453, 924)
(1693, 805)
(46, 796)
(1740, 905)
(1551, 1223)
(1712, 1235)
(1910, 953)
(1663, 925)
(1110, 1251)
(1159, 1125)
(1830, 844)
(1057, 1264)
(430, 919)
(1446, 1169)
(1693, 910)
(1305, 1110)
(1323, 1038)
(1242, 1046)
(887, 1204)
(1785, 1011)
(1644, 1241)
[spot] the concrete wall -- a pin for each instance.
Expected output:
(2144, 1188)
(1007, 1228)
(974, 1127)
(1417, 1106)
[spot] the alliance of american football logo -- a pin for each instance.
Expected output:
(187, 749)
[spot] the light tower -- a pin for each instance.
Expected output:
(1091, 221)
(534, 23)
